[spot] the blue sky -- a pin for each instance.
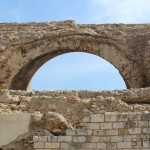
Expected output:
(83, 11)
(76, 70)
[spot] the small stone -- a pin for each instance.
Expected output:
(57, 131)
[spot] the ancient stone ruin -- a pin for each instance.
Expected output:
(47, 120)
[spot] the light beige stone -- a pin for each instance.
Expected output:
(128, 138)
(104, 139)
(79, 139)
(40, 138)
(110, 117)
(106, 125)
(135, 131)
(97, 118)
(52, 145)
(87, 119)
(99, 132)
(111, 132)
(52, 138)
(93, 139)
(116, 138)
(64, 145)
(117, 125)
(13, 125)
(64, 138)
(146, 130)
(39, 145)
(101, 145)
(124, 145)
(92, 125)
(70, 132)
(90, 145)
(111, 145)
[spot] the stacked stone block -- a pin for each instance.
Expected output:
(110, 131)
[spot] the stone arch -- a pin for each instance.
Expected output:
(48, 48)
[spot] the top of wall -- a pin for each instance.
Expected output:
(31, 26)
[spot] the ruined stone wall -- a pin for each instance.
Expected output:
(81, 102)
(24, 48)
(112, 131)
(122, 113)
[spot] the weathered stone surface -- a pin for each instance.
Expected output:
(90, 120)
(90, 102)
(29, 46)
(53, 122)
(82, 121)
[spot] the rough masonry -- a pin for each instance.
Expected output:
(123, 115)
(48, 120)
(24, 48)
(128, 131)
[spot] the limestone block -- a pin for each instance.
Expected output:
(92, 125)
(122, 117)
(135, 116)
(79, 139)
(104, 138)
(64, 146)
(124, 145)
(117, 125)
(99, 132)
(101, 145)
(143, 124)
(135, 131)
(64, 138)
(116, 138)
(83, 132)
(146, 130)
(93, 139)
(70, 132)
(106, 125)
(97, 118)
(111, 132)
(39, 145)
(111, 146)
(145, 116)
(131, 124)
(90, 145)
(52, 145)
(123, 131)
(128, 138)
(110, 117)
(40, 138)
(76, 145)
(52, 138)
(87, 119)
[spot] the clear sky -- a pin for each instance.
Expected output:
(76, 70)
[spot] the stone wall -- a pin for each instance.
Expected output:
(29, 46)
(119, 113)
(116, 131)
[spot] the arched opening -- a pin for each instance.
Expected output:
(77, 71)
(52, 47)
